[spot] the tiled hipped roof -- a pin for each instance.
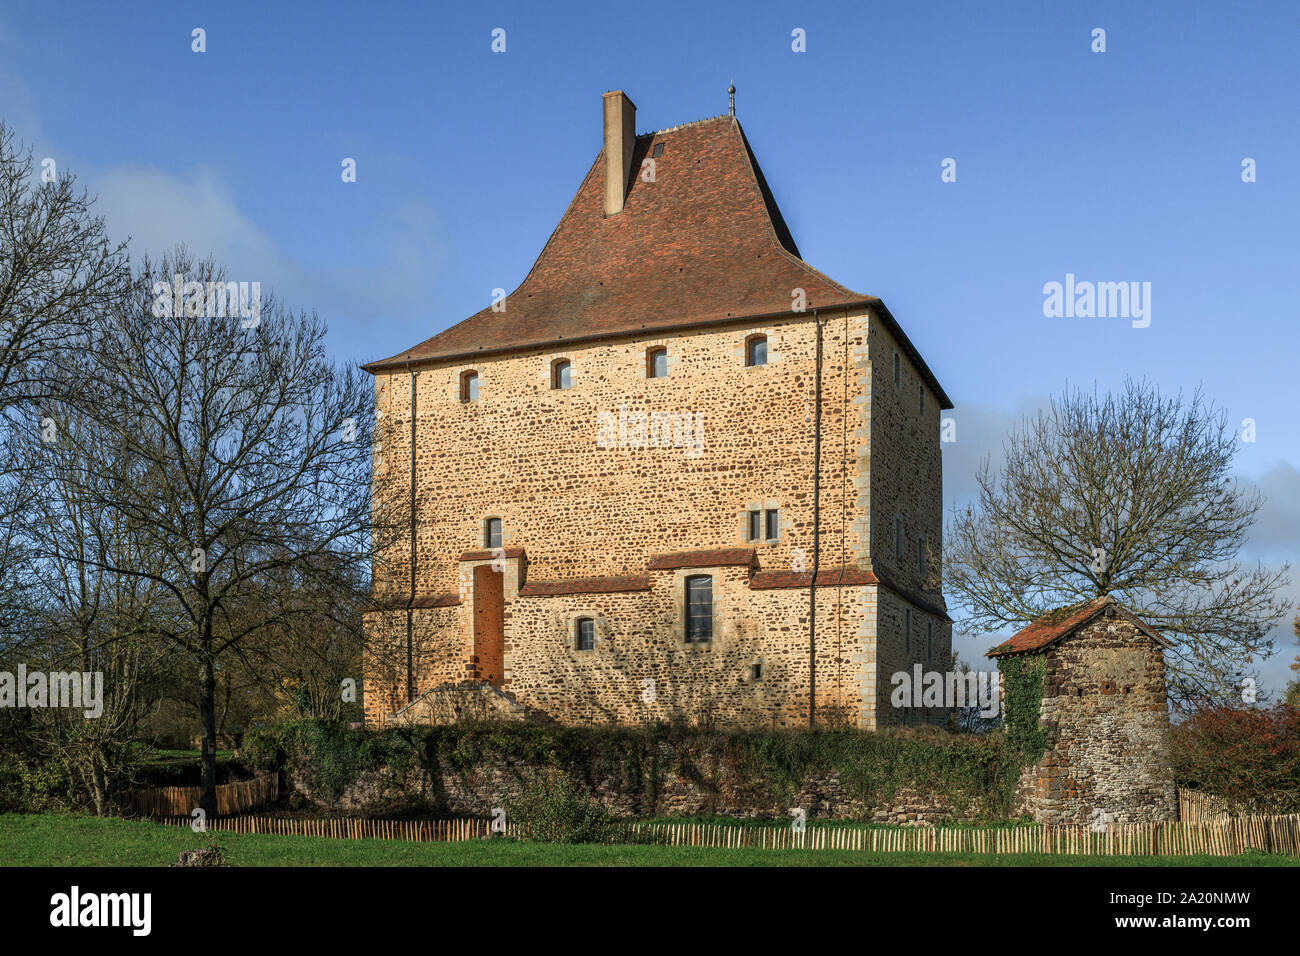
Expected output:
(705, 242)
(1059, 624)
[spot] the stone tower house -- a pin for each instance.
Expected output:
(1106, 717)
(678, 473)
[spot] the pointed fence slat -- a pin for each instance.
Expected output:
(1223, 837)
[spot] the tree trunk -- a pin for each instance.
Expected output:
(99, 788)
(208, 716)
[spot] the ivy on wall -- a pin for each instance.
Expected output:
(968, 772)
(1022, 679)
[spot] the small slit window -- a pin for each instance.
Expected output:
(920, 556)
(756, 671)
(469, 387)
(561, 374)
(586, 634)
(920, 399)
(899, 541)
(907, 631)
(929, 640)
(656, 363)
(492, 533)
(756, 350)
(699, 608)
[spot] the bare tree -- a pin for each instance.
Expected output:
(252, 457)
(296, 666)
(1293, 688)
(969, 717)
(57, 269)
(1130, 495)
(87, 618)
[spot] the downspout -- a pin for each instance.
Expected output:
(812, 580)
(410, 602)
(844, 525)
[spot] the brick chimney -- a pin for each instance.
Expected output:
(620, 137)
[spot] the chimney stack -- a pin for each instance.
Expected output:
(620, 137)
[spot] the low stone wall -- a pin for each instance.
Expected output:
(662, 779)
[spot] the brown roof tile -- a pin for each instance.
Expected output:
(1056, 625)
(448, 599)
(602, 585)
(705, 242)
(489, 555)
(710, 558)
(848, 576)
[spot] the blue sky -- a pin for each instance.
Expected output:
(1115, 166)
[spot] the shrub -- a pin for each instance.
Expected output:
(555, 809)
(29, 784)
(1248, 755)
(972, 773)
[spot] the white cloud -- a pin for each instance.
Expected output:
(979, 431)
(158, 210)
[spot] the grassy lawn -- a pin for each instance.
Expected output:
(28, 840)
(168, 757)
(180, 768)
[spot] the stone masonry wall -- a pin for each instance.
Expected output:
(527, 453)
(709, 684)
(1107, 716)
(682, 791)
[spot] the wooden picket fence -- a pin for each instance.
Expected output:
(239, 797)
(1221, 838)
(1197, 807)
(1229, 837)
(352, 828)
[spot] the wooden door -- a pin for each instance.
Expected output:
(489, 625)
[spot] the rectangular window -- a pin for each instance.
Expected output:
(699, 608)
(898, 538)
(756, 526)
(771, 524)
(907, 632)
(586, 634)
(929, 640)
(492, 533)
(659, 363)
(920, 399)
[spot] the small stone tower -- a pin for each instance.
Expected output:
(1104, 715)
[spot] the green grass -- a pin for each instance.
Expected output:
(183, 756)
(181, 768)
(74, 840)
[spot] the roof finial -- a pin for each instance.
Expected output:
(731, 92)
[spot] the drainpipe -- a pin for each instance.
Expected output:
(817, 482)
(410, 602)
(844, 521)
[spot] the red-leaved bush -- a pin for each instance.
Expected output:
(1251, 756)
